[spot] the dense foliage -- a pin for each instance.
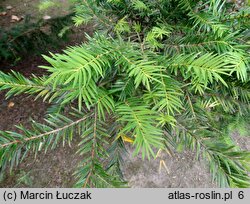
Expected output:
(161, 74)
(27, 37)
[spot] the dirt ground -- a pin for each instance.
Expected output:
(30, 9)
(55, 168)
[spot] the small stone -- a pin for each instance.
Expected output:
(3, 13)
(11, 104)
(9, 7)
(15, 18)
(46, 17)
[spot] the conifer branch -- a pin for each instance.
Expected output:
(35, 137)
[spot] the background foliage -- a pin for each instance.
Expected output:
(29, 37)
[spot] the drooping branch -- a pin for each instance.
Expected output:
(44, 134)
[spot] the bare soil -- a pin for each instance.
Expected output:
(30, 9)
